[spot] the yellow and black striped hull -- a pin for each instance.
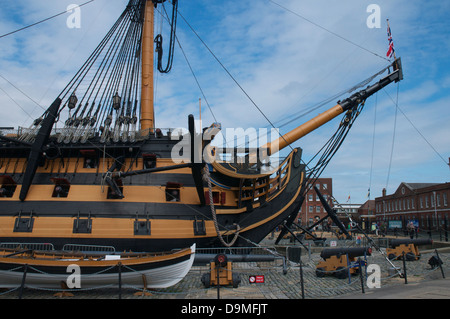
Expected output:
(146, 218)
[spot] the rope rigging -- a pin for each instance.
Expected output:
(373, 145)
(103, 95)
(42, 21)
(159, 40)
(393, 140)
(328, 30)
(300, 114)
(330, 148)
(296, 116)
(228, 72)
(110, 100)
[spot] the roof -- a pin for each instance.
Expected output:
(414, 186)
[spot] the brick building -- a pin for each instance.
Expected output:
(425, 204)
(366, 214)
(312, 209)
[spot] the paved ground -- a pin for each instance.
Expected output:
(425, 289)
(422, 282)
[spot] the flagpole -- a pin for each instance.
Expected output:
(391, 41)
(389, 28)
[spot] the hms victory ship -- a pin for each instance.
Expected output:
(108, 177)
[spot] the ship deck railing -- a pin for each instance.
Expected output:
(66, 248)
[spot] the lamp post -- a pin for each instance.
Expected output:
(435, 211)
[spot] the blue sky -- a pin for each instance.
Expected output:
(285, 64)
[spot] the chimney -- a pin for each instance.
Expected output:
(384, 192)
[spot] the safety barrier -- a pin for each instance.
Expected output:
(299, 281)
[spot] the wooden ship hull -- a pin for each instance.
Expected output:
(109, 178)
(147, 217)
(48, 269)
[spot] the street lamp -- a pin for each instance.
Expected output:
(435, 211)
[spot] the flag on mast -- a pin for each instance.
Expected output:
(391, 51)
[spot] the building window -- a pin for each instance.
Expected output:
(311, 209)
(438, 200)
(317, 209)
(444, 197)
(310, 197)
(426, 201)
(324, 186)
(407, 202)
(421, 202)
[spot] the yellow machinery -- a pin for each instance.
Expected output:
(221, 273)
(407, 247)
(341, 262)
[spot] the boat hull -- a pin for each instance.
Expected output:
(151, 272)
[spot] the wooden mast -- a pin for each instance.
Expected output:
(147, 111)
(304, 129)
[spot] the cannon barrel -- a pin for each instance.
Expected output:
(351, 252)
(417, 242)
(207, 258)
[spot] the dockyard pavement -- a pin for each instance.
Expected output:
(429, 289)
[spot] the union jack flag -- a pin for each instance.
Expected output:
(391, 50)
